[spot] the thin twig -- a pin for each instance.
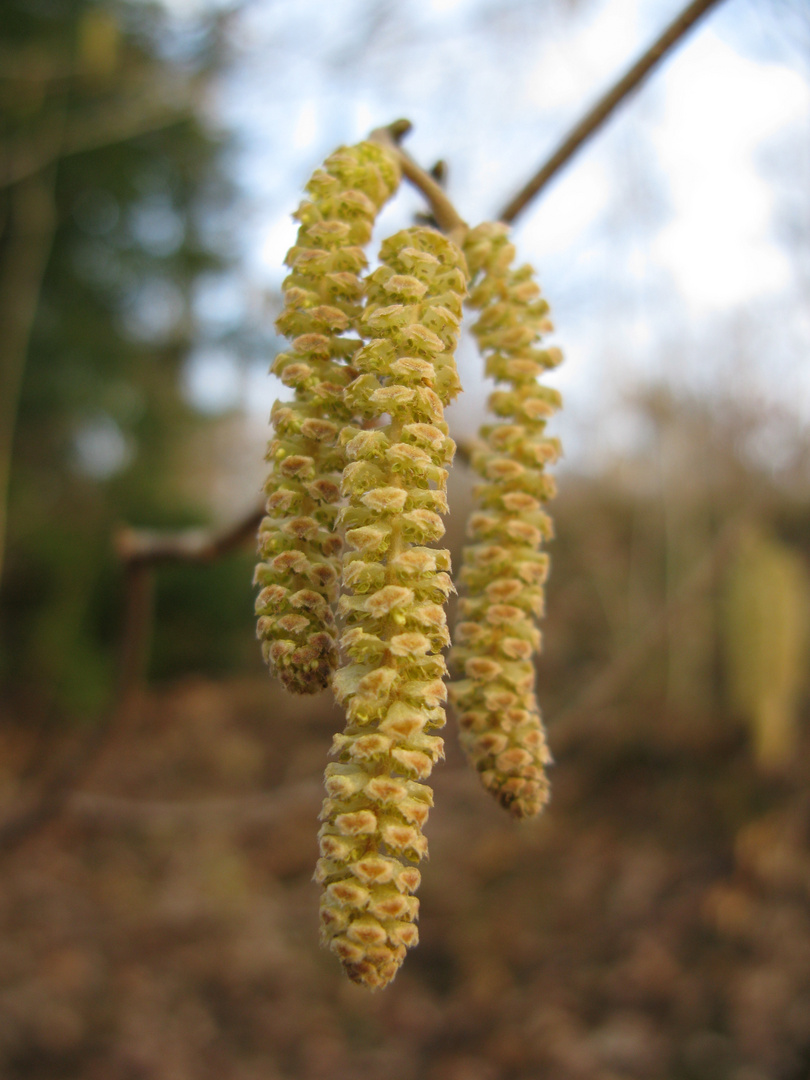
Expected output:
(447, 217)
(115, 125)
(605, 106)
(191, 545)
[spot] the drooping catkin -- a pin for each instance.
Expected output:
(504, 569)
(298, 544)
(395, 628)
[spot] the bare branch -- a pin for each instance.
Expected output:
(139, 546)
(605, 106)
(114, 125)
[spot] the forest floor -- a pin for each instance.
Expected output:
(655, 922)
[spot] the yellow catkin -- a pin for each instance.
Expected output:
(504, 570)
(766, 632)
(299, 547)
(395, 588)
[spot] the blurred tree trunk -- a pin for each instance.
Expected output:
(30, 222)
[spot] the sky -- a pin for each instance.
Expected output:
(662, 240)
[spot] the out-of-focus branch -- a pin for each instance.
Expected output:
(605, 106)
(303, 797)
(265, 808)
(19, 65)
(140, 547)
(117, 124)
(447, 217)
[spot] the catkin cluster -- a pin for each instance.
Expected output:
(361, 453)
(298, 542)
(503, 567)
(393, 685)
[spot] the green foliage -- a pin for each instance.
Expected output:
(112, 130)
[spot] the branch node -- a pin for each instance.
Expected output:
(447, 217)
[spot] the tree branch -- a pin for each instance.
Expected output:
(263, 807)
(605, 106)
(447, 217)
(115, 125)
(141, 547)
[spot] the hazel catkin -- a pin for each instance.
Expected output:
(299, 546)
(392, 685)
(504, 569)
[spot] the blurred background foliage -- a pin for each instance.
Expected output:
(654, 922)
(114, 180)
